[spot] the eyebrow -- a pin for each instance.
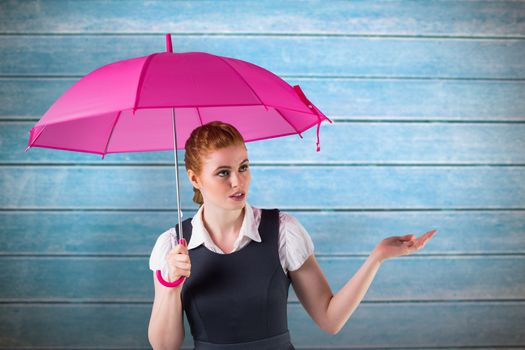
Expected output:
(229, 167)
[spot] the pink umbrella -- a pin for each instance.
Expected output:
(130, 106)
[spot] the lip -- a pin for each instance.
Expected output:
(243, 193)
(238, 199)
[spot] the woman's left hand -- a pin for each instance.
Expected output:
(391, 247)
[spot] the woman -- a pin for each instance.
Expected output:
(240, 260)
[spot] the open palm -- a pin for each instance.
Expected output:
(391, 247)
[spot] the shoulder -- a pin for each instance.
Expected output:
(290, 222)
(291, 229)
(294, 240)
(286, 220)
(164, 237)
(160, 249)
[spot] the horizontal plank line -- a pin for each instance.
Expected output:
(299, 210)
(345, 347)
(107, 164)
(340, 120)
(334, 347)
(76, 255)
(436, 121)
(331, 347)
(285, 76)
(270, 35)
(80, 302)
(496, 346)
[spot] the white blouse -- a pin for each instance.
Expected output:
(295, 244)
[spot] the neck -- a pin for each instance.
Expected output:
(222, 224)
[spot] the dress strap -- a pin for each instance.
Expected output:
(186, 229)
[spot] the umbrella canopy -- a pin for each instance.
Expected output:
(127, 106)
(154, 102)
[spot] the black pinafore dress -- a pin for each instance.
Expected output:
(238, 300)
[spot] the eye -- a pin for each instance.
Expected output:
(227, 171)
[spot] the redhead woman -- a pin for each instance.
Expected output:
(239, 260)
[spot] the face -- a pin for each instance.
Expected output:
(225, 172)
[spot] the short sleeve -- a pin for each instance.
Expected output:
(157, 259)
(298, 244)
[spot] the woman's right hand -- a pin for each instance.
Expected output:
(179, 263)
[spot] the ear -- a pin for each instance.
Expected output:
(193, 179)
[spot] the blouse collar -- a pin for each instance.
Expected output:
(200, 235)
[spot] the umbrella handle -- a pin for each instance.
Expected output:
(169, 284)
(159, 275)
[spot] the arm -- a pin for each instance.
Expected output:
(166, 327)
(331, 312)
(328, 311)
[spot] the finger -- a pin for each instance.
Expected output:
(407, 237)
(177, 251)
(182, 246)
(415, 243)
(431, 232)
(407, 243)
(182, 258)
(184, 271)
(181, 271)
(429, 235)
(183, 265)
(420, 242)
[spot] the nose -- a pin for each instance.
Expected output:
(235, 179)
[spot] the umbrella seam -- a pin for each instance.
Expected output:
(242, 78)
(141, 79)
(293, 126)
(111, 133)
(199, 115)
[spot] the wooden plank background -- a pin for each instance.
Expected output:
(428, 104)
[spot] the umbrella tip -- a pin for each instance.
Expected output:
(168, 43)
(27, 148)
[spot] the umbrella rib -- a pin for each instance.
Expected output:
(141, 79)
(111, 133)
(199, 115)
(244, 80)
(36, 138)
(293, 126)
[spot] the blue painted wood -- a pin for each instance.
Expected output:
(341, 143)
(411, 99)
(434, 17)
(341, 187)
(287, 56)
(124, 278)
(382, 325)
(116, 233)
(428, 102)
